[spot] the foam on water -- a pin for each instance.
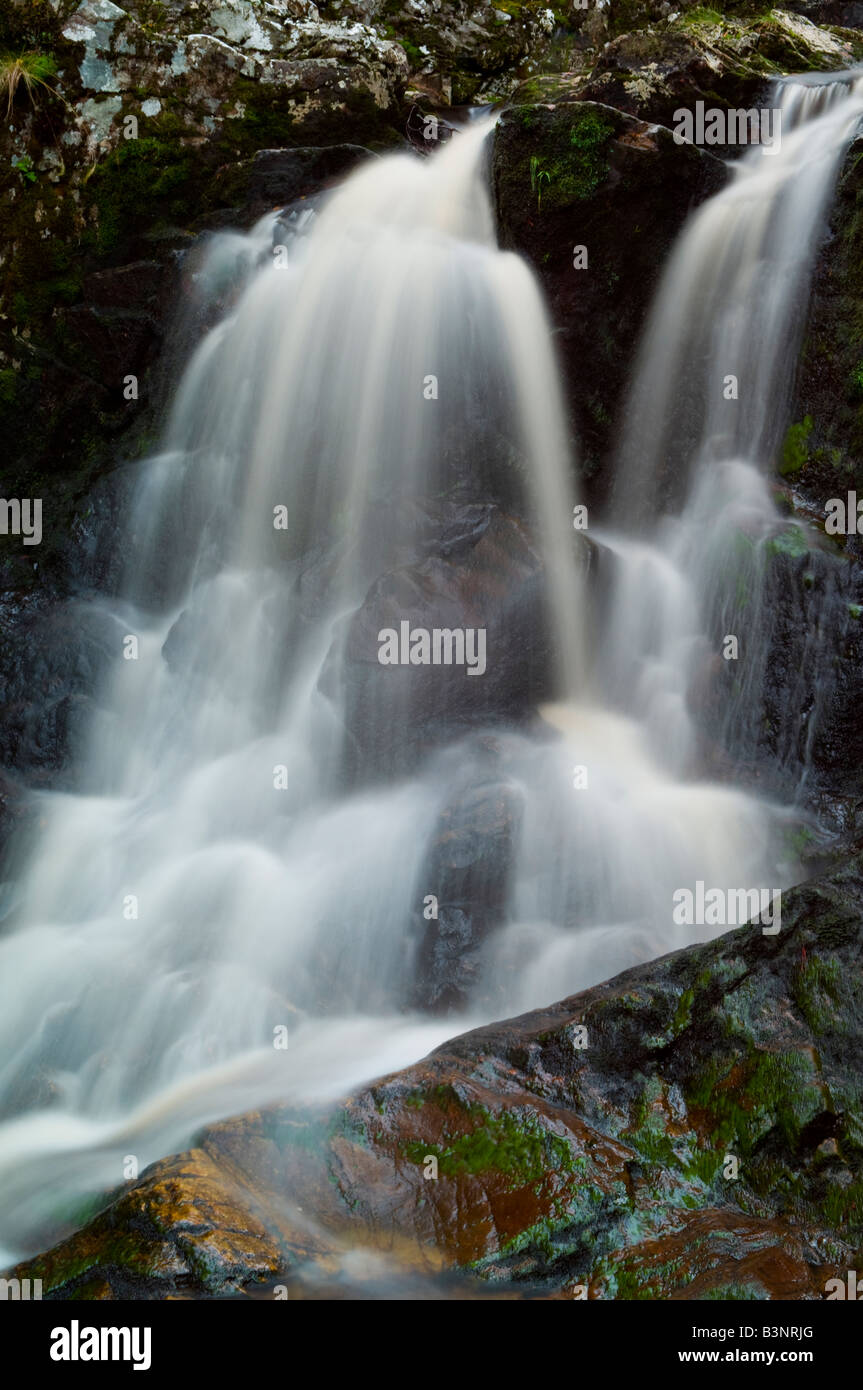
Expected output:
(257, 907)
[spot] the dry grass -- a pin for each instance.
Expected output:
(27, 71)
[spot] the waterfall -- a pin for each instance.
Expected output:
(223, 871)
(695, 524)
(732, 302)
(214, 879)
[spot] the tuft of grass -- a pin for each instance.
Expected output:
(536, 177)
(703, 15)
(28, 72)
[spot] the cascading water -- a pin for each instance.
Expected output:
(183, 904)
(704, 426)
(187, 903)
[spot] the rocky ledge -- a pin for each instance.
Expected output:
(691, 1129)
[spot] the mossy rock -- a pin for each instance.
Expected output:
(706, 1140)
(577, 173)
(829, 379)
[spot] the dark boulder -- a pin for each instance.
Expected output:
(52, 662)
(395, 714)
(787, 710)
(822, 456)
(468, 874)
(274, 178)
(579, 174)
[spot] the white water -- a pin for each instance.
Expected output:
(692, 495)
(259, 907)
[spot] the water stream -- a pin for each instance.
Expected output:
(371, 358)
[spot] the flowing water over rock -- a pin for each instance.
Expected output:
(235, 863)
(704, 426)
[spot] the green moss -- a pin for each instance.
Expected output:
(683, 1012)
(540, 1235)
(631, 1284)
(843, 1206)
(598, 411)
(36, 23)
(795, 452)
(532, 90)
(265, 124)
(537, 178)
(736, 1293)
(152, 15)
(792, 541)
(8, 386)
(766, 1090)
(99, 1247)
(797, 839)
(416, 59)
(569, 160)
(43, 274)
(816, 989)
(697, 18)
(150, 173)
(514, 1145)
(579, 173)
(647, 1132)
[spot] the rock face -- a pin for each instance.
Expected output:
(823, 454)
(470, 862)
(692, 1129)
(567, 177)
(798, 605)
(471, 49)
(62, 653)
(491, 585)
(724, 60)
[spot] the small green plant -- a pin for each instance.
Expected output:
(703, 15)
(795, 450)
(152, 14)
(536, 177)
(23, 165)
(27, 71)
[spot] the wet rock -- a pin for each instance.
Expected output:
(17, 815)
(727, 62)
(217, 51)
(568, 176)
(194, 1227)
(581, 1149)
(822, 456)
(121, 147)
(476, 49)
(468, 873)
(274, 178)
(791, 715)
(493, 590)
(51, 663)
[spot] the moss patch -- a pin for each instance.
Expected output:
(514, 1145)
